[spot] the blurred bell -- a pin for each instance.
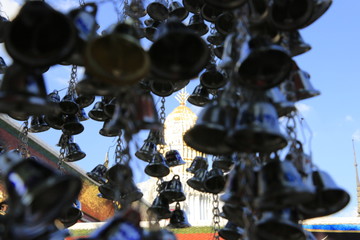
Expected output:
(319, 8)
(282, 105)
(117, 121)
(303, 86)
(98, 113)
(151, 30)
(146, 115)
(109, 107)
(161, 88)
(109, 131)
(257, 129)
(219, 50)
(329, 198)
(173, 191)
(197, 181)
(160, 208)
(214, 181)
(54, 97)
(135, 9)
(262, 64)
(84, 100)
(131, 193)
(216, 38)
(280, 185)
(224, 162)
(68, 104)
(55, 121)
(157, 167)
(200, 96)
(18, 116)
(157, 136)
(193, 6)
(158, 10)
(295, 43)
(74, 153)
(212, 78)
(119, 174)
(231, 232)
(210, 13)
(235, 213)
(71, 214)
(71, 125)
(198, 25)
(225, 23)
(147, 151)
(109, 191)
(89, 85)
(173, 158)
(37, 124)
(160, 234)
(177, 52)
(259, 11)
(4, 24)
(178, 218)
(177, 10)
(98, 174)
(81, 114)
(226, 4)
(301, 160)
(196, 164)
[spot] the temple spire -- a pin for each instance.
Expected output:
(182, 96)
(357, 180)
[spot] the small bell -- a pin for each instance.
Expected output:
(219, 50)
(178, 218)
(295, 43)
(68, 104)
(212, 78)
(109, 107)
(161, 88)
(200, 96)
(38, 124)
(74, 153)
(160, 208)
(157, 167)
(214, 181)
(173, 191)
(224, 162)
(158, 10)
(177, 10)
(198, 180)
(55, 121)
(71, 125)
(109, 131)
(225, 23)
(210, 13)
(193, 6)
(71, 215)
(198, 25)
(303, 86)
(147, 151)
(119, 174)
(131, 193)
(146, 115)
(98, 174)
(231, 232)
(117, 122)
(196, 164)
(173, 158)
(98, 113)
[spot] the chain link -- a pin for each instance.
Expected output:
(64, 140)
(119, 151)
(24, 140)
(216, 216)
(72, 81)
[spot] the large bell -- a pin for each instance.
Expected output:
(38, 124)
(173, 190)
(147, 151)
(198, 25)
(74, 153)
(178, 218)
(157, 167)
(177, 10)
(177, 52)
(280, 185)
(72, 125)
(262, 64)
(158, 10)
(200, 96)
(37, 193)
(224, 162)
(71, 214)
(98, 173)
(47, 39)
(98, 113)
(231, 232)
(227, 4)
(197, 181)
(329, 198)
(212, 78)
(257, 129)
(68, 104)
(214, 181)
(303, 86)
(197, 163)
(173, 158)
(117, 121)
(160, 208)
(193, 6)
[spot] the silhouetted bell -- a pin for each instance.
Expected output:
(157, 167)
(281, 224)
(214, 181)
(197, 181)
(282, 105)
(303, 86)
(161, 88)
(235, 213)
(151, 30)
(107, 131)
(193, 6)
(71, 125)
(178, 218)
(198, 25)
(98, 173)
(212, 78)
(84, 100)
(173, 191)
(329, 198)
(97, 113)
(200, 96)
(177, 52)
(226, 4)
(320, 7)
(81, 114)
(91, 86)
(68, 104)
(37, 124)
(119, 174)
(109, 107)
(37, 193)
(216, 38)
(224, 162)
(210, 13)
(131, 193)
(52, 34)
(18, 116)
(280, 185)
(109, 191)
(173, 158)
(157, 136)
(231, 232)
(55, 121)
(257, 129)
(147, 151)
(117, 122)
(225, 23)
(178, 10)
(160, 208)
(158, 10)
(196, 164)
(74, 153)
(262, 64)
(71, 215)
(295, 43)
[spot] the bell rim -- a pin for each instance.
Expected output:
(165, 170)
(75, 157)
(79, 130)
(156, 14)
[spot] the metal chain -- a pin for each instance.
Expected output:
(24, 140)
(63, 144)
(162, 120)
(119, 151)
(216, 216)
(73, 79)
(81, 2)
(162, 111)
(158, 185)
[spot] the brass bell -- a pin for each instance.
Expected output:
(109, 130)
(210, 13)
(225, 23)
(231, 232)
(226, 4)
(262, 64)
(280, 185)
(214, 181)
(329, 198)
(174, 41)
(161, 88)
(98, 113)
(151, 30)
(216, 38)
(224, 162)
(193, 6)
(173, 158)
(37, 124)
(74, 153)
(72, 125)
(159, 208)
(178, 218)
(98, 173)
(157, 167)
(212, 78)
(68, 104)
(282, 105)
(200, 96)
(53, 35)
(197, 163)
(147, 151)
(55, 121)
(303, 86)
(257, 129)
(177, 10)
(197, 181)
(281, 224)
(38, 193)
(71, 214)
(173, 190)
(158, 10)
(295, 43)
(198, 25)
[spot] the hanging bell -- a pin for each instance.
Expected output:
(257, 129)
(225, 23)
(262, 64)
(329, 198)
(282, 105)
(109, 106)
(219, 51)
(231, 232)
(193, 6)
(212, 78)
(198, 25)
(71, 214)
(147, 151)
(161, 88)
(216, 38)
(109, 191)
(178, 218)
(319, 8)
(68, 104)
(37, 124)
(98, 174)
(109, 131)
(235, 213)
(131, 193)
(151, 30)
(117, 121)
(98, 113)
(280, 185)
(196, 164)
(224, 162)
(177, 10)
(84, 100)
(173, 191)
(173, 158)
(197, 181)
(177, 53)
(303, 86)
(81, 114)
(74, 153)
(119, 174)
(214, 181)
(71, 125)
(210, 13)
(89, 85)
(159, 208)
(55, 121)
(295, 43)
(157, 167)
(158, 10)
(200, 96)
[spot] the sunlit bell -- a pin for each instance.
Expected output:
(178, 218)
(173, 158)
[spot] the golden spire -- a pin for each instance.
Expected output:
(182, 96)
(357, 179)
(106, 162)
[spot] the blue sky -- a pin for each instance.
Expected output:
(334, 116)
